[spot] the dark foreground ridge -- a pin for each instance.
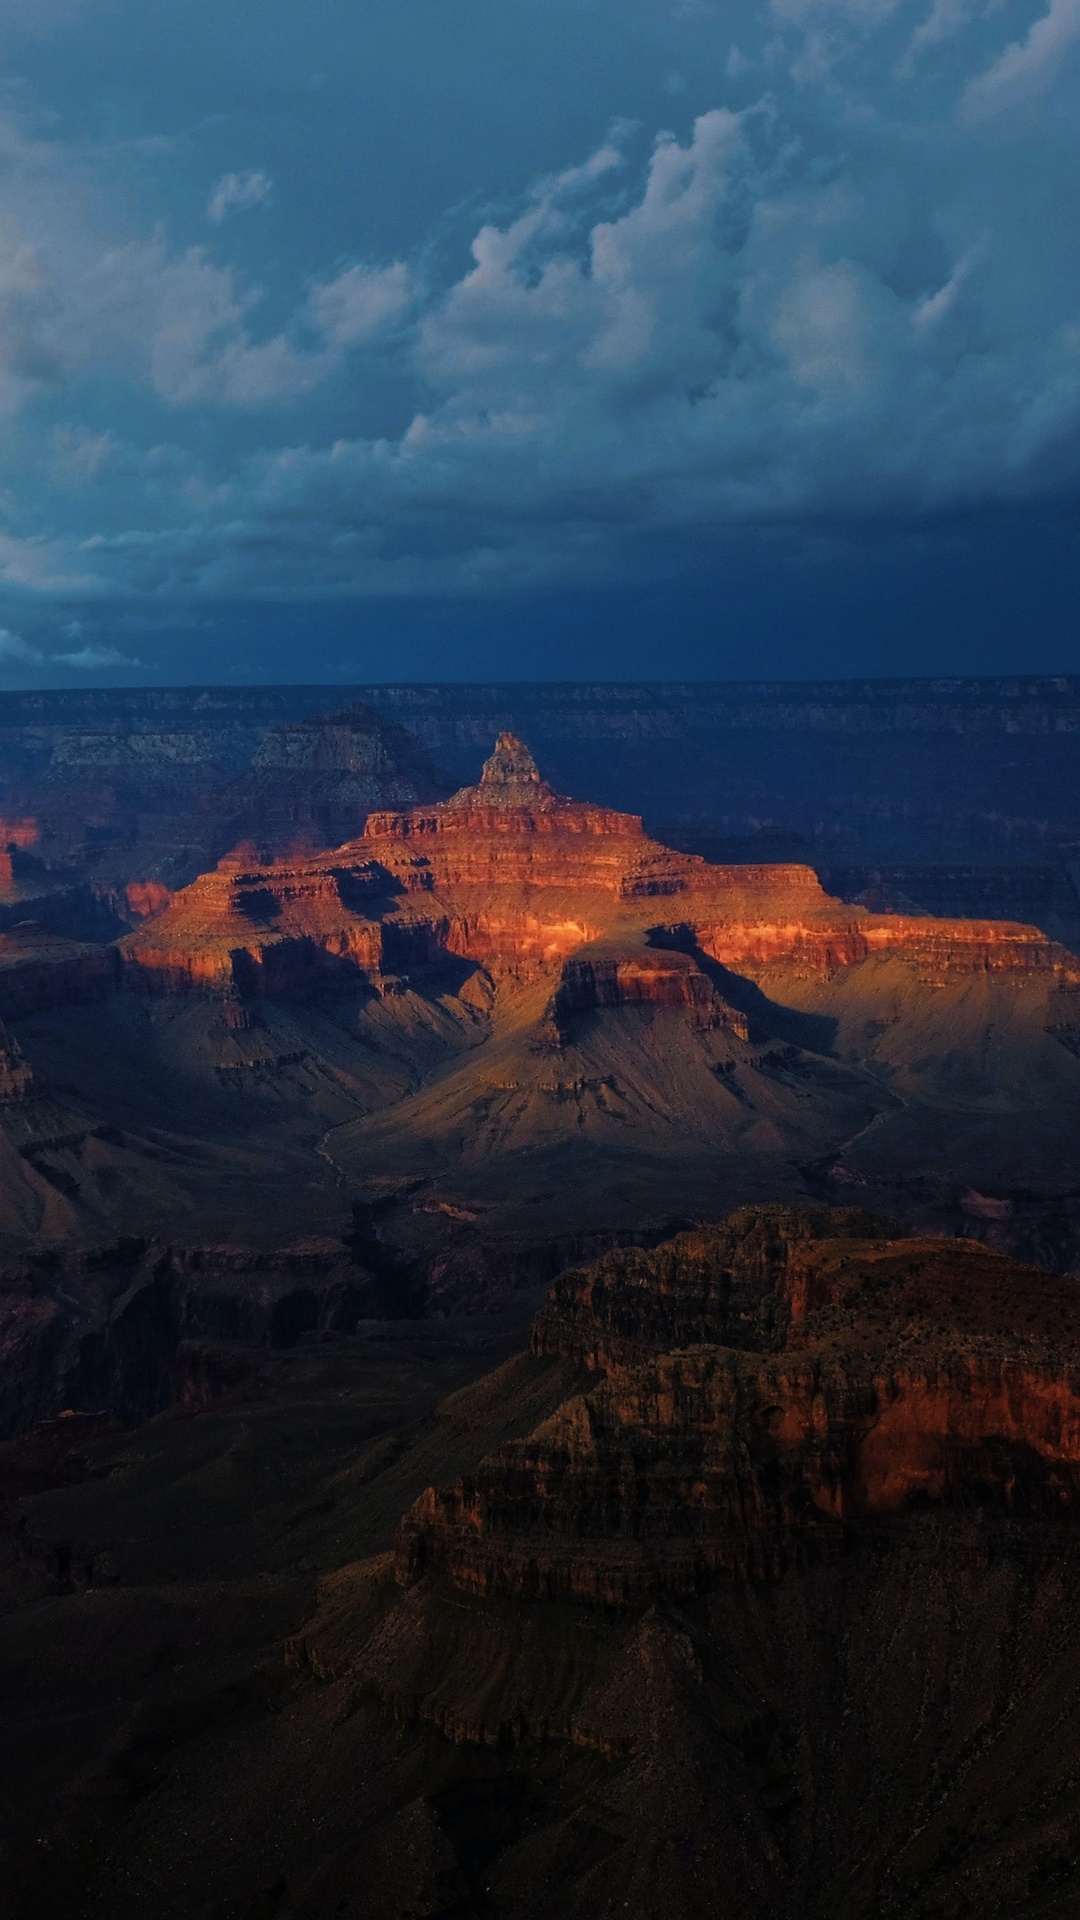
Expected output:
(747, 1591)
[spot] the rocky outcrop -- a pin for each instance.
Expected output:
(649, 977)
(129, 1328)
(151, 789)
(756, 1391)
(570, 1028)
(740, 1284)
(145, 899)
(216, 1681)
(513, 830)
(16, 1074)
(515, 878)
(935, 949)
(257, 930)
(555, 1023)
(39, 970)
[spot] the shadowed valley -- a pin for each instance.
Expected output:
(486, 1036)
(532, 1376)
(747, 1588)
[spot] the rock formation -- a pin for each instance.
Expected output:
(757, 1390)
(15, 837)
(965, 788)
(126, 1329)
(522, 1024)
(514, 877)
(518, 1019)
(38, 971)
(751, 1589)
(148, 791)
(16, 1074)
(763, 1605)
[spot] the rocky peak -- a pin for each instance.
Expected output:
(511, 778)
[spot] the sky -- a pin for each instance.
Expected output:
(356, 340)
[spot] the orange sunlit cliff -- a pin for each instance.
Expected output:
(515, 878)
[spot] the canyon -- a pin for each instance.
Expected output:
(963, 790)
(747, 1584)
(500, 1030)
(539, 1336)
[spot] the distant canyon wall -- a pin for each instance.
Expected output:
(955, 797)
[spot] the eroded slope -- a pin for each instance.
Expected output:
(519, 1017)
(749, 1592)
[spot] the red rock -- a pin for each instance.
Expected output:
(516, 878)
(146, 898)
(755, 1388)
(15, 836)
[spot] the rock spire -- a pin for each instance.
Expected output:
(511, 778)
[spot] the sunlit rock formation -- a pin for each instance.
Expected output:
(516, 878)
(515, 1019)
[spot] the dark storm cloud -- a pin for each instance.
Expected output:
(822, 271)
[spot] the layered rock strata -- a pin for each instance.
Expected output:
(156, 788)
(515, 878)
(526, 1024)
(216, 1681)
(129, 1328)
(756, 1390)
(40, 970)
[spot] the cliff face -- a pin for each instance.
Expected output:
(752, 1591)
(514, 877)
(649, 978)
(245, 929)
(16, 1074)
(772, 1612)
(39, 971)
(149, 790)
(757, 1392)
(653, 1031)
(126, 1329)
(15, 837)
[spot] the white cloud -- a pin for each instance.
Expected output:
(847, 300)
(17, 652)
(1029, 66)
(932, 310)
(361, 303)
(78, 302)
(79, 455)
(235, 192)
(92, 658)
(44, 566)
(945, 19)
